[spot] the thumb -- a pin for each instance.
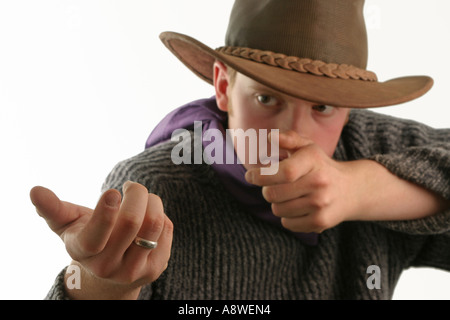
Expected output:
(58, 214)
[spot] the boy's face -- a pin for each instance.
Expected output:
(251, 105)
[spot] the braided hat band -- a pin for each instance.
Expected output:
(304, 65)
(331, 34)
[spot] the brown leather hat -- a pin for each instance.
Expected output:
(314, 50)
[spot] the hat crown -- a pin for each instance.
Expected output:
(332, 31)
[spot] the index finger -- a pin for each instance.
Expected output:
(131, 215)
(292, 141)
(94, 236)
(289, 169)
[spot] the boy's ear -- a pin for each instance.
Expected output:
(221, 85)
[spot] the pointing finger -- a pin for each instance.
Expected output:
(292, 141)
(130, 217)
(95, 235)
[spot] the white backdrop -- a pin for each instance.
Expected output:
(82, 84)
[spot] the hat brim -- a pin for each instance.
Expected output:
(319, 89)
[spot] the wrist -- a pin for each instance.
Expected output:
(81, 284)
(357, 190)
(368, 189)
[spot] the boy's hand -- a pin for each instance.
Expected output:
(101, 241)
(310, 192)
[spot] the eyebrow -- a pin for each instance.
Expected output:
(267, 90)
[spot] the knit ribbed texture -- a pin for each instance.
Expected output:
(220, 251)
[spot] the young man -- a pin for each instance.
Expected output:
(353, 190)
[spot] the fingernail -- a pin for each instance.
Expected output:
(112, 199)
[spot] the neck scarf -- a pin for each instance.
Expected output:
(231, 175)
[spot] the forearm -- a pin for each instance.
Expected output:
(384, 196)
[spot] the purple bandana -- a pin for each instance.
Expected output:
(231, 175)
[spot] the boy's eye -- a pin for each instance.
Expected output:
(267, 100)
(324, 109)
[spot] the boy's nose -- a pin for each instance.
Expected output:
(298, 120)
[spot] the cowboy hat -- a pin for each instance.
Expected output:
(314, 50)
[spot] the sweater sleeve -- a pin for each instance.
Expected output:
(410, 150)
(57, 291)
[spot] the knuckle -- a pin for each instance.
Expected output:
(155, 223)
(130, 220)
(321, 179)
(320, 222)
(168, 225)
(290, 172)
(320, 201)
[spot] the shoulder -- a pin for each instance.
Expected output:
(373, 127)
(138, 167)
(368, 133)
(375, 120)
(371, 121)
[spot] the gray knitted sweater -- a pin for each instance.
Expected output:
(220, 251)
